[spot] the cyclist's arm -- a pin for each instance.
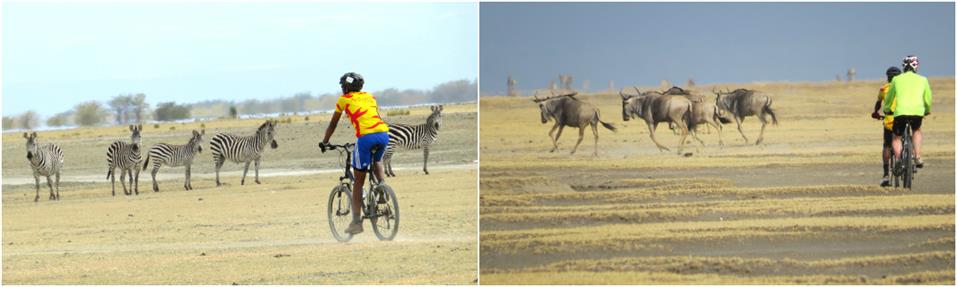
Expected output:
(927, 97)
(889, 99)
(333, 123)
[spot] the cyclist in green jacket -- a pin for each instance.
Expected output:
(908, 99)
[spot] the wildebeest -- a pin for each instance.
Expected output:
(654, 108)
(703, 112)
(742, 103)
(567, 110)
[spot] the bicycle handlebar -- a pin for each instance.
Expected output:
(344, 146)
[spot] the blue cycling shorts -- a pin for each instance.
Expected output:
(365, 146)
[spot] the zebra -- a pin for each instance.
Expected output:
(413, 137)
(175, 155)
(45, 160)
(245, 149)
(126, 157)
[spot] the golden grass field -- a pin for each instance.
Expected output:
(804, 207)
(273, 233)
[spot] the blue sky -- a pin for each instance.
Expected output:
(643, 43)
(56, 55)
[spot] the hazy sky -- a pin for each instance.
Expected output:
(56, 55)
(643, 43)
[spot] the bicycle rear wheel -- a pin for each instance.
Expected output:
(907, 158)
(385, 219)
(339, 212)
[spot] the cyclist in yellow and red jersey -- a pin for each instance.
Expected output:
(372, 137)
(888, 122)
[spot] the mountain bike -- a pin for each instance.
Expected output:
(381, 206)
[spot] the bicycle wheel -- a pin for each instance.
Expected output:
(894, 175)
(907, 158)
(385, 219)
(339, 212)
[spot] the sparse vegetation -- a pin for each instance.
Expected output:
(397, 112)
(802, 208)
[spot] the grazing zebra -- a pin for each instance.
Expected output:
(245, 149)
(125, 156)
(175, 155)
(46, 161)
(413, 137)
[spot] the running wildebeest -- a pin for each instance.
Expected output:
(654, 108)
(567, 110)
(742, 103)
(703, 112)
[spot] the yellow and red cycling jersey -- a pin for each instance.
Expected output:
(888, 119)
(363, 112)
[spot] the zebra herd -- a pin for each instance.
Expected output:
(47, 160)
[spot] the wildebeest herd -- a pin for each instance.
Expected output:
(126, 157)
(682, 109)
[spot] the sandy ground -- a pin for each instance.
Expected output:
(272, 233)
(802, 208)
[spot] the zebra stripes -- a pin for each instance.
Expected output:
(175, 155)
(413, 137)
(126, 157)
(243, 149)
(46, 160)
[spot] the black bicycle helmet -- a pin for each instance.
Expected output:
(892, 72)
(351, 82)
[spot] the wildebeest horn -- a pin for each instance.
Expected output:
(637, 90)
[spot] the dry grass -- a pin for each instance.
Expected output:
(240, 234)
(802, 208)
(273, 233)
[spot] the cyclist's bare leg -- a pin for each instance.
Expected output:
(886, 153)
(896, 143)
(356, 226)
(379, 170)
(918, 138)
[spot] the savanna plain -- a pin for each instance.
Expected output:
(271, 233)
(803, 207)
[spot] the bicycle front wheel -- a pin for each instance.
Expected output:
(339, 211)
(385, 213)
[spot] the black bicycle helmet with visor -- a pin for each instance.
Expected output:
(351, 82)
(892, 72)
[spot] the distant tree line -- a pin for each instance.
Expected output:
(133, 108)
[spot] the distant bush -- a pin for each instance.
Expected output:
(156, 126)
(89, 113)
(9, 123)
(306, 118)
(398, 112)
(172, 128)
(59, 120)
(170, 111)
